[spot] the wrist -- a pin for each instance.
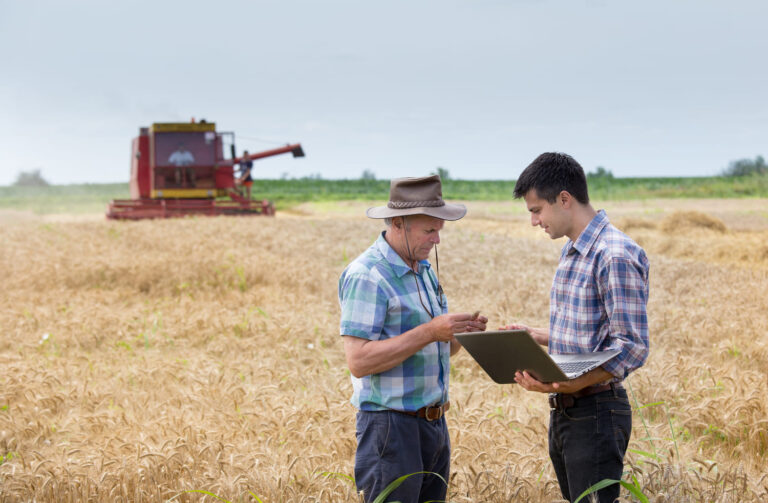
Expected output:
(429, 333)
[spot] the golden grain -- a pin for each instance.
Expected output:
(144, 359)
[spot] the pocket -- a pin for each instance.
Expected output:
(581, 414)
(382, 425)
(621, 420)
(372, 431)
(361, 423)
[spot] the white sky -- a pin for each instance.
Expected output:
(479, 87)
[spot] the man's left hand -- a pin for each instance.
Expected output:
(530, 383)
(594, 376)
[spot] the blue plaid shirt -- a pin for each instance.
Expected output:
(379, 300)
(599, 297)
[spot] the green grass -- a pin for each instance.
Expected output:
(84, 198)
(289, 192)
(93, 198)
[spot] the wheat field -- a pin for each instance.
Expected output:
(143, 361)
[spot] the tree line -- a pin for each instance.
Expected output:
(739, 167)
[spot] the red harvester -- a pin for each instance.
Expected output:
(179, 169)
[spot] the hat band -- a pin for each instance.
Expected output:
(415, 204)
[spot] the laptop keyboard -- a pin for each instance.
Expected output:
(571, 367)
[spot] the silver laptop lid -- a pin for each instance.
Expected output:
(502, 353)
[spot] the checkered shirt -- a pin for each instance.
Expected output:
(379, 300)
(599, 297)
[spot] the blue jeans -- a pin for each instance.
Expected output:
(391, 444)
(587, 443)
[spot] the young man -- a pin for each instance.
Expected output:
(398, 338)
(597, 302)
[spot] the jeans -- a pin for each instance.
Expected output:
(391, 444)
(587, 443)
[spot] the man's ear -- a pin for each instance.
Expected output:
(397, 222)
(565, 199)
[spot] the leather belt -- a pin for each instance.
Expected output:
(560, 401)
(430, 412)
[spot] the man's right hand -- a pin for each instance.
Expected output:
(540, 335)
(516, 326)
(444, 326)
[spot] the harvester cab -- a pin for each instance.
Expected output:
(180, 169)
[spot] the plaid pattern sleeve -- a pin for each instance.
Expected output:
(363, 306)
(623, 287)
(599, 297)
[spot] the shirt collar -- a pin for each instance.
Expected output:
(589, 235)
(395, 260)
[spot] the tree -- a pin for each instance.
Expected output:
(31, 179)
(442, 173)
(368, 175)
(601, 172)
(743, 167)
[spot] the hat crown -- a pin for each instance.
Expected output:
(425, 191)
(417, 196)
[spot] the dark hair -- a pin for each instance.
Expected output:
(551, 173)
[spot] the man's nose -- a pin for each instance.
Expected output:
(436, 238)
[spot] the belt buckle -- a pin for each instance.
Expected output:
(560, 402)
(437, 408)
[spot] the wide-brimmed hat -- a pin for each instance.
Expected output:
(417, 196)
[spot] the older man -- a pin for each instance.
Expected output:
(398, 338)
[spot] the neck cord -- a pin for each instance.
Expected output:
(418, 288)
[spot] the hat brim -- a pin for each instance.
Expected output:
(450, 211)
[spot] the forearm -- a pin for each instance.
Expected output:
(596, 376)
(366, 357)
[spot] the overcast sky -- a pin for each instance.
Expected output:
(480, 87)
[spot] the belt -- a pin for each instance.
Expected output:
(430, 412)
(560, 401)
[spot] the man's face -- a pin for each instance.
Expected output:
(423, 233)
(552, 217)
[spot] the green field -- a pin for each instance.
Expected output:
(93, 198)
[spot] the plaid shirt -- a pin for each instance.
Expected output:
(379, 300)
(599, 297)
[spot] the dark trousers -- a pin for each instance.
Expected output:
(587, 443)
(391, 444)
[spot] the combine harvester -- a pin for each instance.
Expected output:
(179, 169)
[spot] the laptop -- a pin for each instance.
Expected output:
(501, 353)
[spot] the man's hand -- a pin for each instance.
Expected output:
(540, 335)
(516, 326)
(444, 326)
(595, 376)
(530, 383)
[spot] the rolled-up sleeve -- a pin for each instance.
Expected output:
(363, 306)
(623, 286)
